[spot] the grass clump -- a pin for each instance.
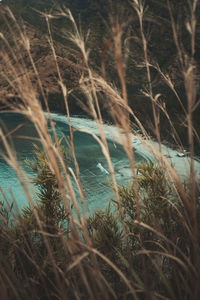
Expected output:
(158, 245)
(146, 245)
(153, 250)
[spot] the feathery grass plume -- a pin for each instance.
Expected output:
(143, 246)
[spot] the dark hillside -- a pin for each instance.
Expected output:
(99, 17)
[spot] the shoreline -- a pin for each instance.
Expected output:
(147, 148)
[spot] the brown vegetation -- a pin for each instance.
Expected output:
(149, 247)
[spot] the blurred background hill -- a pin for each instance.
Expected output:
(98, 17)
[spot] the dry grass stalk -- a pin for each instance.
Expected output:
(91, 84)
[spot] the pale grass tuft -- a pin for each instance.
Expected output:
(86, 260)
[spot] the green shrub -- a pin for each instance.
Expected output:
(49, 206)
(155, 251)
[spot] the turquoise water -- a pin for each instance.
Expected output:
(92, 163)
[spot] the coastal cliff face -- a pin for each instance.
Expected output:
(99, 19)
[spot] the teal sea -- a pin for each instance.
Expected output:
(92, 163)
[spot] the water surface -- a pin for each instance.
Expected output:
(92, 163)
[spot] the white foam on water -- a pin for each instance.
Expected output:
(99, 165)
(94, 177)
(149, 149)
